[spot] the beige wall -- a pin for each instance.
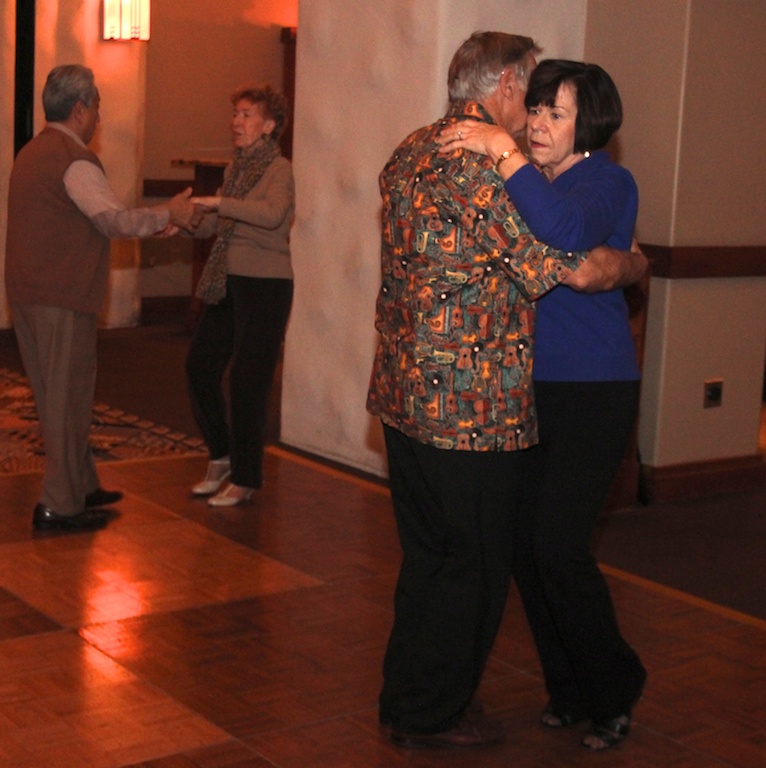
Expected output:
(689, 72)
(700, 330)
(722, 159)
(642, 47)
(694, 117)
(199, 53)
(368, 74)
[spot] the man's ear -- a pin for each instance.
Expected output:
(508, 83)
(77, 110)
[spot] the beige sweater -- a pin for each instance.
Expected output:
(260, 243)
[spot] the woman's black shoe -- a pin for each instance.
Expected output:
(553, 717)
(607, 733)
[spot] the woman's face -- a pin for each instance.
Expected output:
(551, 132)
(248, 124)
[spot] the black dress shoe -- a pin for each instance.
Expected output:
(102, 498)
(45, 519)
(473, 730)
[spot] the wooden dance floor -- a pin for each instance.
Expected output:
(252, 638)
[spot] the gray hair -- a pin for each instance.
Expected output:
(64, 87)
(478, 64)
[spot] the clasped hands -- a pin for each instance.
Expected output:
(186, 212)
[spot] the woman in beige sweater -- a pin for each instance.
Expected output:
(247, 287)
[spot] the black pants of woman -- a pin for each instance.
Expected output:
(243, 332)
(590, 671)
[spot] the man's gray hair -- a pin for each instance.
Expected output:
(478, 64)
(64, 87)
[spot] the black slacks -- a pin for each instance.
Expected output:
(584, 431)
(454, 513)
(243, 332)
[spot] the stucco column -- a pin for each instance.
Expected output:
(367, 75)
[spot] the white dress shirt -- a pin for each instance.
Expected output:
(87, 186)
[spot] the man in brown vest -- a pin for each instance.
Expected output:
(61, 214)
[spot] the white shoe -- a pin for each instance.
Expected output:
(230, 496)
(217, 472)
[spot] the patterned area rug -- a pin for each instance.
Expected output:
(115, 435)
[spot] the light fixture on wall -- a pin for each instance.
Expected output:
(127, 19)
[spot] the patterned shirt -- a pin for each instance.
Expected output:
(460, 269)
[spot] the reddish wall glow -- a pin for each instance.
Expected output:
(282, 13)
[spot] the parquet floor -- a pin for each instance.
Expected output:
(182, 636)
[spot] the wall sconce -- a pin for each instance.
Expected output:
(127, 19)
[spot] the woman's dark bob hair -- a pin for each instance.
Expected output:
(599, 108)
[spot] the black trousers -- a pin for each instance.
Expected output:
(244, 332)
(454, 511)
(584, 431)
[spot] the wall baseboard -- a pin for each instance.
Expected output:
(680, 262)
(703, 478)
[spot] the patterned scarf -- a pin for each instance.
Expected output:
(246, 172)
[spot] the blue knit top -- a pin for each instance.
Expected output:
(581, 336)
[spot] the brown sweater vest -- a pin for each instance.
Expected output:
(55, 256)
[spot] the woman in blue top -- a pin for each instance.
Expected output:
(586, 390)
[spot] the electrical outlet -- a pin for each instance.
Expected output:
(713, 393)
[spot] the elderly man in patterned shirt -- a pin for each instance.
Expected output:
(452, 384)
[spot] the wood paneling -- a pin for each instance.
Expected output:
(706, 261)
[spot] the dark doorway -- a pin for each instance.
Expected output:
(289, 38)
(24, 83)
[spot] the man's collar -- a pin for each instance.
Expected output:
(68, 131)
(473, 109)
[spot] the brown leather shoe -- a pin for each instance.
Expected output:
(473, 730)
